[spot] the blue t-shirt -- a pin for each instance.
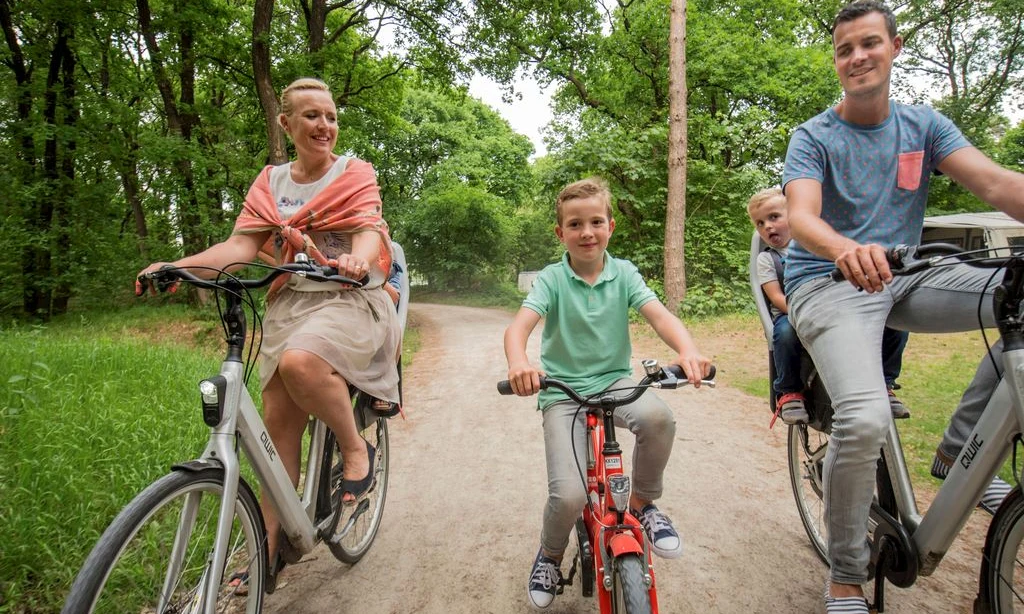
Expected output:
(874, 179)
(585, 342)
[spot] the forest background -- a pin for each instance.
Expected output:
(132, 130)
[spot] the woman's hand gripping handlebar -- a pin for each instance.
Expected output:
(668, 377)
(167, 277)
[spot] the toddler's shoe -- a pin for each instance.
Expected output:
(791, 408)
(899, 410)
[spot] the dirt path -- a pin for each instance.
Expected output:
(462, 519)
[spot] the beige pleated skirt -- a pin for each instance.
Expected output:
(355, 331)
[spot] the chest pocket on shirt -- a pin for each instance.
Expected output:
(908, 176)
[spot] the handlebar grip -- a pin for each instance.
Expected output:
(678, 372)
(505, 387)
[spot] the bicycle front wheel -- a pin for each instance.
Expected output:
(629, 593)
(155, 556)
(807, 448)
(354, 527)
(1001, 585)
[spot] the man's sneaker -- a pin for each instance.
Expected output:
(899, 410)
(660, 533)
(843, 605)
(994, 495)
(544, 579)
(791, 408)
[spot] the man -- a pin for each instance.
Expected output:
(856, 180)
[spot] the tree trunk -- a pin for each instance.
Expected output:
(675, 210)
(181, 119)
(263, 14)
(67, 191)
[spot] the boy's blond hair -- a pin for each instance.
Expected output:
(761, 198)
(584, 188)
(302, 83)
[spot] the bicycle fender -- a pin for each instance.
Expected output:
(624, 543)
(195, 466)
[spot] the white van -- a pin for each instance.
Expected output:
(992, 229)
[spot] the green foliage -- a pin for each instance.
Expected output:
(468, 226)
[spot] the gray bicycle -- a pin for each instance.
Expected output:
(194, 541)
(907, 544)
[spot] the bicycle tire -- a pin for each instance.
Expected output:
(630, 591)
(126, 570)
(807, 448)
(354, 527)
(1001, 583)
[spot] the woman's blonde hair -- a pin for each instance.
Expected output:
(762, 197)
(584, 188)
(303, 83)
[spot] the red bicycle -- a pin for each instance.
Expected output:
(612, 544)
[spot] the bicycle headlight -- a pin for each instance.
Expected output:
(618, 486)
(211, 392)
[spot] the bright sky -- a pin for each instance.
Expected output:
(526, 116)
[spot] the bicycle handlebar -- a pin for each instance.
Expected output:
(165, 278)
(908, 259)
(668, 377)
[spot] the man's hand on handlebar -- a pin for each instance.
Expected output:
(524, 379)
(865, 267)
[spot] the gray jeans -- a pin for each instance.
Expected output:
(649, 418)
(842, 331)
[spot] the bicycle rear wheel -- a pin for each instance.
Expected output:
(807, 448)
(131, 568)
(1001, 585)
(629, 593)
(354, 527)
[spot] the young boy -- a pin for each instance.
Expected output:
(585, 300)
(767, 210)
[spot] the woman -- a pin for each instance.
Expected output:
(317, 337)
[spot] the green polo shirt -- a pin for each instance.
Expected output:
(585, 342)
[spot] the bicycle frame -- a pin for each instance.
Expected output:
(617, 532)
(241, 421)
(989, 445)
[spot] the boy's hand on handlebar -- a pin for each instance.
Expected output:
(524, 379)
(866, 267)
(695, 366)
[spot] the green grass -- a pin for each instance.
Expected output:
(89, 414)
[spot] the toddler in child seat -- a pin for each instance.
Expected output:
(585, 300)
(767, 210)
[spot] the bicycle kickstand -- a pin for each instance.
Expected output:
(567, 581)
(881, 568)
